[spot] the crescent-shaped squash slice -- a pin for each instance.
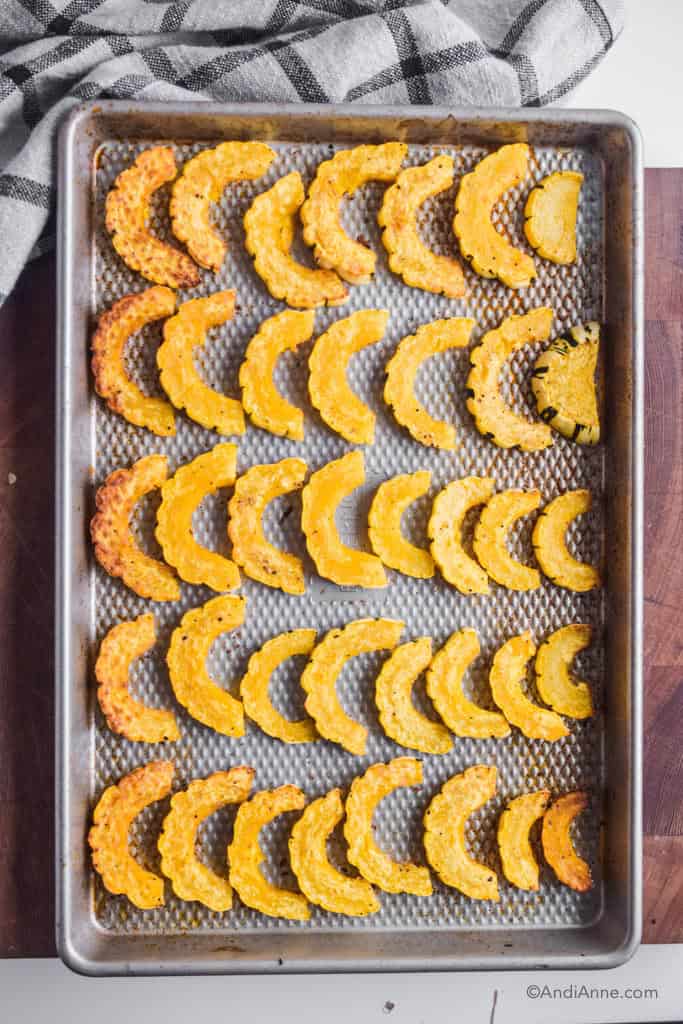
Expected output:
(258, 558)
(493, 417)
(345, 172)
(399, 389)
(113, 816)
(320, 499)
(554, 681)
(114, 327)
(444, 530)
(398, 716)
(318, 879)
(490, 254)
(186, 659)
(269, 234)
(266, 407)
(517, 858)
(490, 534)
(127, 212)
(391, 500)
(550, 216)
(563, 383)
(328, 387)
(126, 716)
(192, 880)
(113, 542)
(180, 497)
(508, 672)
(549, 539)
(409, 257)
(183, 333)
(319, 678)
(445, 822)
(255, 684)
(202, 181)
(445, 690)
(374, 864)
(558, 847)
(245, 855)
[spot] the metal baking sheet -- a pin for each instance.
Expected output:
(100, 933)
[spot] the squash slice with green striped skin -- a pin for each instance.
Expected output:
(391, 500)
(255, 684)
(517, 858)
(183, 333)
(445, 822)
(318, 879)
(445, 532)
(345, 172)
(550, 216)
(490, 533)
(563, 383)
(558, 847)
(398, 716)
(409, 257)
(554, 680)
(489, 252)
(374, 864)
(550, 544)
(445, 690)
(508, 671)
(493, 417)
(399, 389)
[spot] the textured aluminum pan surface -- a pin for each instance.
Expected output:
(100, 932)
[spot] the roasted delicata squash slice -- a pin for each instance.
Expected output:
(201, 182)
(550, 216)
(328, 387)
(490, 534)
(183, 333)
(558, 847)
(391, 500)
(127, 212)
(508, 672)
(398, 716)
(269, 229)
(124, 714)
(113, 542)
(374, 864)
(192, 880)
(550, 542)
(255, 684)
(563, 383)
(445, 822)
(114, 327)
(245, 855)
(445, 690)
(318, 879)
(264, 404)
(257, 557)
(517, 858)
(320, 500)
(482, 245)
(493, 417)
(445, 532)
(186, 658)
(180, 497)
(399, 389)
(554, 681)
(409, 257)
(345, 172)
(113, 816)
(319, 678)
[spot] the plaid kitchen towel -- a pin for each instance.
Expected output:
(56, 53)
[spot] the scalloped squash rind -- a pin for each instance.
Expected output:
(564, 386)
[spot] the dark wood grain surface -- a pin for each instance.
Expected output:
(26, 590)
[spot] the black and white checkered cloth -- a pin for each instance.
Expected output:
(56, 53)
